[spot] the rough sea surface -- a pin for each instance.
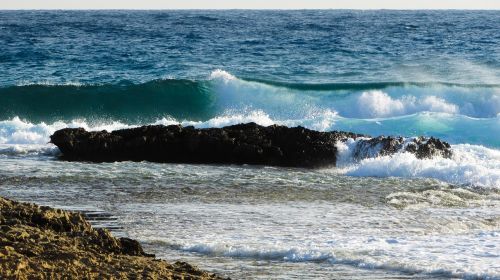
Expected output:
(433, 73)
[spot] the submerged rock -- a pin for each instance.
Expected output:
(240, 144)
(45, 243)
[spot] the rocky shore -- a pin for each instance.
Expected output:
(237, 144)
(45, 243)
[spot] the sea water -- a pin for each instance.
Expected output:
(433, 73)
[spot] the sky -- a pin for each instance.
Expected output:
(250, 4)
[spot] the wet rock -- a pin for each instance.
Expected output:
(430, 147)
(379, 146)
(237, 144)
(422, 147)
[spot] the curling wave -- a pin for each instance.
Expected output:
(124, 101)
(221, 91)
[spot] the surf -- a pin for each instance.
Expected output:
(222, 91)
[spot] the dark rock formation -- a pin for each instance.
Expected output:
(45, 243)
(240, 144)
(422, 147)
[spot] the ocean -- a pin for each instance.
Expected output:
(408, 73)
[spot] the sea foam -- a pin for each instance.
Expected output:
(415, 241)
(470, 165)
(333, 257)
(354, 101)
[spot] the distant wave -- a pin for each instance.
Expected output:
(365, 86)
(222, 92)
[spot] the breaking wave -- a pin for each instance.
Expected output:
(221, 91)
(367, 259)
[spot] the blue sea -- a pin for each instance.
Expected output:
(408, 73)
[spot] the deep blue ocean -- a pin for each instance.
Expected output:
(408, 73)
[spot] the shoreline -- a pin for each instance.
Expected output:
(47, 243)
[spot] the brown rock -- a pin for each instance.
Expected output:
(45, 243)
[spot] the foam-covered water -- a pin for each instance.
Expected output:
(432, 73)
(257, 222)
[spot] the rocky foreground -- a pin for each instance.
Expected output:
(45, 243)
(237, 144)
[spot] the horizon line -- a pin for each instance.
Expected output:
(247, 9)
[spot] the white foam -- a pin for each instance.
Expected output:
(219, 74)
(318, 254)
(484, 103)
(226, 119)
(232, 93)
(378, 104)
(322, 121)
(245, 251)
(17, 131)
(450, 242)
(28, 150)
(446, 197)
(470, 165)
(51, 83)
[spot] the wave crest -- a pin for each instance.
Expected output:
(222, 91)
(377, 104)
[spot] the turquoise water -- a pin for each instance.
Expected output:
(433, 73)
